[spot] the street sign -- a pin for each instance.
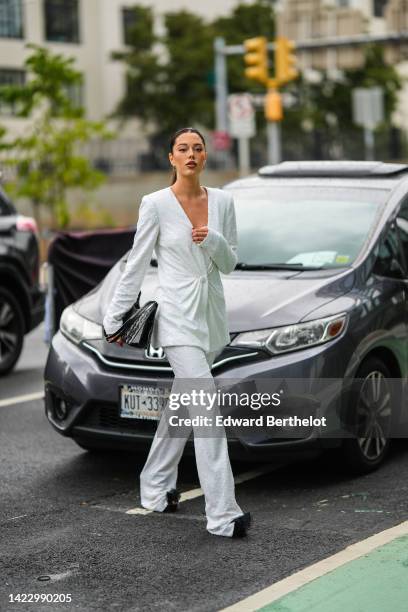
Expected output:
(368, 106)
(241, 116)
(221, 140)
(368, 111)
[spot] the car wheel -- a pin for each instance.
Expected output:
(370, 417)
(11, 331)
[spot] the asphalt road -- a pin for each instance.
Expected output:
(63, 517)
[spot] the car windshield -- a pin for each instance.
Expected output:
(304, 226)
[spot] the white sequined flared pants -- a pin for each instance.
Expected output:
(159, 474)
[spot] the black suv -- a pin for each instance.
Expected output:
(21, 299)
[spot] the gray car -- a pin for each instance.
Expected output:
(317, 310)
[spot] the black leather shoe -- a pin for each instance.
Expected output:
(241, 524)
(173, 497)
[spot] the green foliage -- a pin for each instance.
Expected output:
(319, 103)
(45, 156)
(246, 21)
(177, 88)
(144, 74)
(51, 76)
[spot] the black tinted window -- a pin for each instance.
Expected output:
(62, 20)
(402, 223)
(390, 261)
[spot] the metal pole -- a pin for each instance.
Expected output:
(274, 143)
(243, 156)
(369, 143)
(221, 95)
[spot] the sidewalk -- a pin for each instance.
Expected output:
(369, 575)
(377, 582)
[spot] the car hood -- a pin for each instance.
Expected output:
(254, 299)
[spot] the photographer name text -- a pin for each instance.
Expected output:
(259, 421)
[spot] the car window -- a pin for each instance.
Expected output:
(318, 226)
(402, 223)
(390, 260)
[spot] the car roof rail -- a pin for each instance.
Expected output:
(333, 169)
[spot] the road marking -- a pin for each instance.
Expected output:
(19, 399)
(295, 581)
(193, 493)
(14, 518)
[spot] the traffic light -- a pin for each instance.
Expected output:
(273, 106)
(256, 58)
(285, 60)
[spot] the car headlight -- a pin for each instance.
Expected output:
(78, 328)
(293, 337)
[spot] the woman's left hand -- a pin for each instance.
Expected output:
(199, 233)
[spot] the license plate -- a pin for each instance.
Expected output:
(142, 402)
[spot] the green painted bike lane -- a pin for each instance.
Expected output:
(375, 582)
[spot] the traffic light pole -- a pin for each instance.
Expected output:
(222, 50)
(274, 116)
(274, 142)
(221, 96)
(243, 156)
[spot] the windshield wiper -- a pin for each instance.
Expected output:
(276, 266)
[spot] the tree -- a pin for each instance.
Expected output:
(144, 74)
(45, 156)
(327, 105)
(176, 88)
(246, 21)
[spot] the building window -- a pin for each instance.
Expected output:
(378, 7)
(62, 21)
(11, 19)
(75, 93)
(129, 18)
(9, 76)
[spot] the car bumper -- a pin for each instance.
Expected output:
(88, 390)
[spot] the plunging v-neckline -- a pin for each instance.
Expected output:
(184, 212)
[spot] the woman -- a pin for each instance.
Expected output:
(193, 231)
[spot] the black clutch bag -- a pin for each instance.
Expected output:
(137, 326)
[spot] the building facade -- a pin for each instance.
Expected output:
(90, 30)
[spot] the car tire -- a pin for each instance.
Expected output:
(11, 331)
(370, 413)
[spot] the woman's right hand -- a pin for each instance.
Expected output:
(118, 341)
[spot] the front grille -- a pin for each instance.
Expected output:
(111, 360)
(105, 415)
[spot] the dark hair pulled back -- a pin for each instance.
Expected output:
(173, 140)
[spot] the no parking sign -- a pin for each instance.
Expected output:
(241, 116)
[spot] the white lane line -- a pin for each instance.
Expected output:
(18, 399)
(295, 581)
(14, 518)
(193, 493)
